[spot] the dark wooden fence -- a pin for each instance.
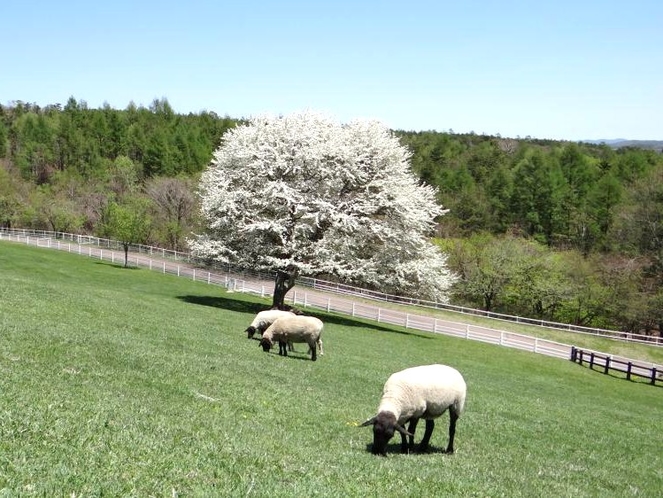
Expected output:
(606, 363)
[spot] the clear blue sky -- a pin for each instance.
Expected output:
(576, 70)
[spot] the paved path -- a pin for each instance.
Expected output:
(324, 300)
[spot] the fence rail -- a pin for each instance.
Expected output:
(316, 297)
(327, 286)
(606, 362)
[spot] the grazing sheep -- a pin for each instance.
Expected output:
(296, 328)
(264, 319)
(418, 392)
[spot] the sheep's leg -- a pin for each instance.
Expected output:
(314, 351)
(430, 425)
(291, 347)
(453, 417)
(283, 348)
(320, 346)
(406, 448)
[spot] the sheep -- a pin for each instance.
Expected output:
(296, 328)
(264, 319)
(419, 392)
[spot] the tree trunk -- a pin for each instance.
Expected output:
(126, 255)
(285, 280)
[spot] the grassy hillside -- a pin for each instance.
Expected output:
(128, 382)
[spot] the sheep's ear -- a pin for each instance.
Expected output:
(402, 430)
(370, 421)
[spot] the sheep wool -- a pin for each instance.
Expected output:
(264, 319)
(297, 328)
(426, 392)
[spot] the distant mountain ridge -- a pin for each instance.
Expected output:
(617, 143)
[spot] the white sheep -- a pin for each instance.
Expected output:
(297, 328)
(264, 319)
(419, 392)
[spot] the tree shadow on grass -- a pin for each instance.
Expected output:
(119, 266)
(242, 306)
(225, 303)
(352, 322)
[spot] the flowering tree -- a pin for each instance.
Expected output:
(303, 194)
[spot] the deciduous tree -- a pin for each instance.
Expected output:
(128, 223)
(304, 194)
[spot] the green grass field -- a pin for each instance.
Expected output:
(125, 382)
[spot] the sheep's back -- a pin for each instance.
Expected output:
(297, 328)
(267, 317)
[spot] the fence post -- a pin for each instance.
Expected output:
(628, 370)
(581, 353)
(591, 361)
(574, 352)
(378, 314)
(653, 376)
(607, 365)
(407, 320)
(353, 309)
(194, 275)
(328, 304)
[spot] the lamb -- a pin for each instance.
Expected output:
(297, 328)
(418, 392)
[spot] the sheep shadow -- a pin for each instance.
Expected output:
(395, 449)
(296, 356)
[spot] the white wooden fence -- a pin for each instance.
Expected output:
(332, 287)
(315, 298)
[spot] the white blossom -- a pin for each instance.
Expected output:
(329, 198)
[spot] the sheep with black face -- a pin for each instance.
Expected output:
(264, 319)
(297, 328)
(419, 392)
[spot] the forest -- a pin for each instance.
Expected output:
(563, 231)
